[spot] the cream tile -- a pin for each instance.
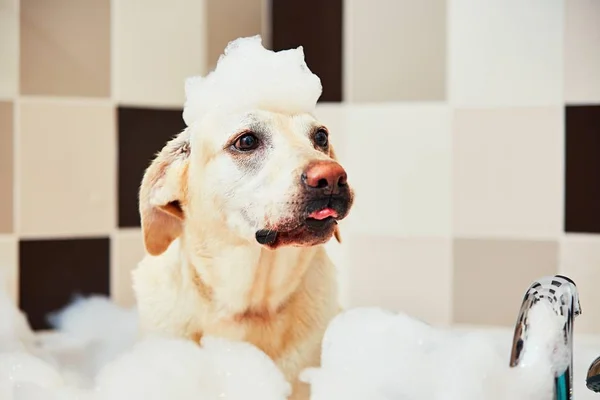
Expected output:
(128, 251)
(398, 161)
(66, 168)
(157, 45)
(9, 48)
(580, 261)
(333, 115)
(409, 275)
(582, 57)
(396, 50)
(491, 277)
(228, 20)
(9, 265)
(505, 53)
(6, 167)
(508, 172)
(65, 47)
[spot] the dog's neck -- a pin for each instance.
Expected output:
(245, 279)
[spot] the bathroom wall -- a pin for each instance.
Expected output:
(470, 130)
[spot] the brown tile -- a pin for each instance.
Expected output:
(491, 277)
(142, 133)
(65, 47)
(317, 26)
(9, 267)
(67, 177)
(127, 252)
(9, 47)
(411, 275)
(51, 272)
(582, 197)
(580, 261)
(228, 20)
(6, 167)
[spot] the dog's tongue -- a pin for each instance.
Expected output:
(322, 214)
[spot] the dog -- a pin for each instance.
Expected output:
(235, 211)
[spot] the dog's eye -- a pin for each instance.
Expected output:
(246, 142)
(321, 139)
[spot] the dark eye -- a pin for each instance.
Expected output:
(321, 138)
(246, 142)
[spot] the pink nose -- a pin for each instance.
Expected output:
(324, 175)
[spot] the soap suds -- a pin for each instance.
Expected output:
(248, 76)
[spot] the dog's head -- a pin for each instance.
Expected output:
(260, 173)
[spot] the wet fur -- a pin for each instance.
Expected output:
(205, 275)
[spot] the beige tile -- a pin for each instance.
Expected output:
(6, 167)
(505, 53)
(580, 261)
(582, 57)
(9, 265)
(333, 116)
(412, 275)
(65, 47)
(508, 172)
(398, 159)
(228, 20)
(395, 50)
(66, 168)
(128, 251)
(491, 277)
(158, 44)
(9, 47)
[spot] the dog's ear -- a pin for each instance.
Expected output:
(336, 232)
(162, 194)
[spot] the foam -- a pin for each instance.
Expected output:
(368, 353)
(371, 353)
(248, 76)
(89, 362)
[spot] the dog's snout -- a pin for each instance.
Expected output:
(324, 175)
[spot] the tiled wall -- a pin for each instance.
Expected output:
(469, 128)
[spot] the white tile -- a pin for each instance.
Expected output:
(506, 53)
(508, 172)
(582, 51)
(9, 265)
(338, 253)
(580, 261)
(157, 45)
(398, 159)
(9, 48)
(411, 275)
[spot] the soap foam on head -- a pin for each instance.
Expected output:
(248, 76)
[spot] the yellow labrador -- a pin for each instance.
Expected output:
(235, 211)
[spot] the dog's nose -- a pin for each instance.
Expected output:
(324, 175)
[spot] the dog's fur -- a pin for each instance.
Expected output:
(201, 203)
